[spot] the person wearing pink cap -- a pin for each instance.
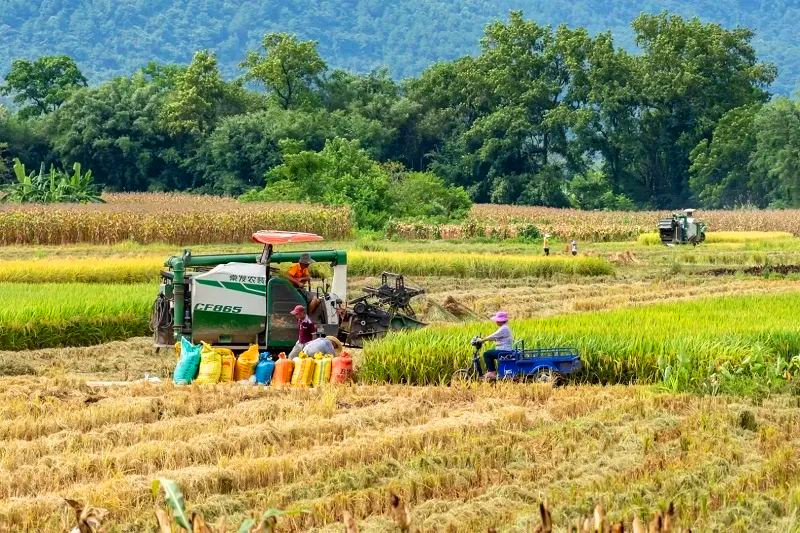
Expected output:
(305, 330)
(504, 344)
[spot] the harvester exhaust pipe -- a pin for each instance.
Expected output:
(177, 287)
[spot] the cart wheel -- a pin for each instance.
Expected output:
(461, 376)
(546, 376)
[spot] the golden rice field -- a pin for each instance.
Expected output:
(143, 269)
(504, 221)
(714, 237)
(164, 217)
(462, 459)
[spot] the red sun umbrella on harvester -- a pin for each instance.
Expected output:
(268, 236)
(271, 237)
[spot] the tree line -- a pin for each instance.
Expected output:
(541, 115)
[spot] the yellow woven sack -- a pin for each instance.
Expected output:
(298, 368)
(210, 365)
(228, 360)
(178, 350)
(306, 372)
(322, 369)
(246, 363)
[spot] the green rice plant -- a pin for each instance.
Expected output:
(72, 314)
(633, 345)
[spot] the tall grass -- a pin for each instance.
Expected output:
(73, 314)
(649, 239)
(144, 269)
(172, 218)
(680, 344)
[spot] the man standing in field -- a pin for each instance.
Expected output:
(305, 330)
(300, 276)
(546, 244)
(574, 247)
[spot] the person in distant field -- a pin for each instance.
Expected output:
(546, 244)
(504, 341)
(300, 276)
(574, 247)
(305, 330)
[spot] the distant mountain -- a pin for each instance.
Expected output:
(112, 37)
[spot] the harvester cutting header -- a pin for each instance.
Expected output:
(236, 300)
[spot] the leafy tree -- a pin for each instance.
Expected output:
(604, 112)
(721, 173)
(777, 128)
(193, 106)
(424, 195)
(42, 85)
(117, 130)
(288, 68)
(592, 190)
(691, 75)
(342, 173)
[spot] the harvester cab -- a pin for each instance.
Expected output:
(235, 300)
(682, 228)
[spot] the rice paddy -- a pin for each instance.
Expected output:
(715, 237)
(72, 314)
(687, 345)
(688, 394)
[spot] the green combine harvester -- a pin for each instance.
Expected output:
(682, 228)
(235, 300)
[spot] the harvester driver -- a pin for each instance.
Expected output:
(300, 276)
(504, 341)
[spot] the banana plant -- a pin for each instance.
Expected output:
(55, 186)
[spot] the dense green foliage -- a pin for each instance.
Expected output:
(543, 116)
(116, 38)
(343, 174)
(41, 86)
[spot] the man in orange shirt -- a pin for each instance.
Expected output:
(299, 275)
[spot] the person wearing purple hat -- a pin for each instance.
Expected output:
(503, 340)
(305, 330)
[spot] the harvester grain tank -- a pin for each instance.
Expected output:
(236, 300)
(682, 228)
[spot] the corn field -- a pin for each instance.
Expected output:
(507, 221)
(684, 345)
(170, 218)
